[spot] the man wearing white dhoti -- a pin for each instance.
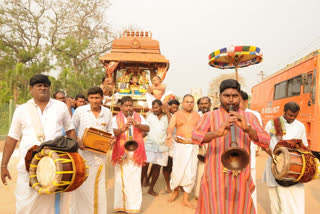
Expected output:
(156, 148)
(204, 107)
(285, 200)
(52, 116)
(91, 198)
(127, 187)
(253, 147)
(185, 155)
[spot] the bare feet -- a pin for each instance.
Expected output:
(153, 193)
(173, 196)
(168, 190)
(189, 204)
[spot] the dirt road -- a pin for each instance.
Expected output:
(155, 205)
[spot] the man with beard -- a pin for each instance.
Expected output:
(40, 119)
(184, 154)
(285, 199)
(96, 116)
(222, 190)
(156, 148)
(173, 108)
(204, 107)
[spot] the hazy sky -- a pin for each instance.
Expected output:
(188, 31)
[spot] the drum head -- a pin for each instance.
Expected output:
(280, 167)
(46, 171)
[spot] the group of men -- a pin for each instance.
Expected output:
(168, 138)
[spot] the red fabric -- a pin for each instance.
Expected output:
(139, 156)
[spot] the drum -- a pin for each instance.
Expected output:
(55, 171)
(294, 163)
(97, 140)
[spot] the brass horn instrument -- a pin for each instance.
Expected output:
(234, 158)
(131, 145)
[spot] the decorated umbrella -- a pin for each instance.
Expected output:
(235, 57)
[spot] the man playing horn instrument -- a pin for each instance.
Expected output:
(184, 155)
(225, 191)
(128, 164)
(285, 199)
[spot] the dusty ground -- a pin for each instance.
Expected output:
(155, 205)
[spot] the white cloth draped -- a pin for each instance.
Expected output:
(127, 188)
(184, 169)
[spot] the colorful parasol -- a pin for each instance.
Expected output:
(235, 57)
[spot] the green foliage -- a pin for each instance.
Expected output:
(42, 36)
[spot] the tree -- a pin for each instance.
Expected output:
(79, 35)
(22, 40)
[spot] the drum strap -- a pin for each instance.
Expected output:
(36, 122)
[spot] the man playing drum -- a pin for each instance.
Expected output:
(204, 107)
(128, 164)
(93, 115)
(223, 190)
(184, 155)
(52, 116)
(285, 199)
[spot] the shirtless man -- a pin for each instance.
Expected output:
(185, 155)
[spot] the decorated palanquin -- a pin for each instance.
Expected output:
(134, 60)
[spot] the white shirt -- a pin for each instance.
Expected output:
(115, 124)
(84, 118)
(156, 139)
(115, 98)
(253, 147)
(294, 130)
(54, 117)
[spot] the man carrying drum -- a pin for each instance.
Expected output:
(93, 115)
(285, 199)
(184, 154)
(223, 190)
(128, 126)
(51, 115)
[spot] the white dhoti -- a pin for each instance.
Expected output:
(184, 169)
(150, 98)
(84, 198)
(287, 200)
(127, 188)
(28, 201)
(159, 158)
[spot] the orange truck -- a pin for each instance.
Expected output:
(298, 82)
